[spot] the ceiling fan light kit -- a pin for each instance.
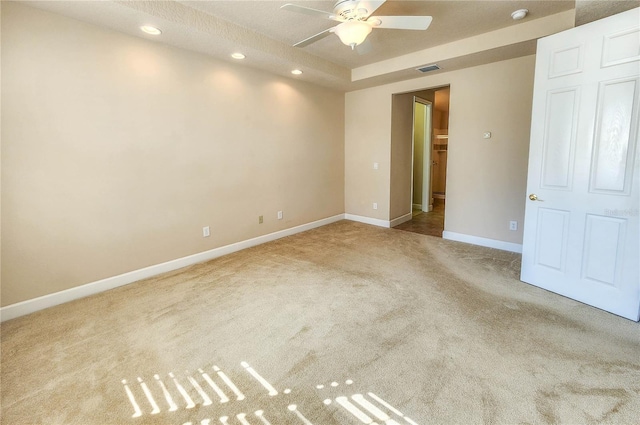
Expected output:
(356, 22)
(353, 32)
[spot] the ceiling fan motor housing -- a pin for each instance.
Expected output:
(355, 22)
(348, 10)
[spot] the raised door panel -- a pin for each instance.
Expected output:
(561, 120)
(621, 47)
(603, 246)
(551, 239)
(615, 136)
(566, 61)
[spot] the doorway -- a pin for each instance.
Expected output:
(429, 161)
(421, 199)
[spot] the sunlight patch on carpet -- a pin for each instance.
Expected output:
(189, 390)
(264, 382)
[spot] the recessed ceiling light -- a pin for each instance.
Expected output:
(238, 55)
(151, 30)
(296, 72)
(519, 14)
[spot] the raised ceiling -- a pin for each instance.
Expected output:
(265, 34)
(453, 20)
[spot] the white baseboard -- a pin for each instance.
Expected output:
(417, 207)
(400, 220)
(25, 307)
(477, 240)
(368, 220)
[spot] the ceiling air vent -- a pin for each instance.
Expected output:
(428, 68)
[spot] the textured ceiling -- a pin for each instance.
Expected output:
(265, 33)
(589, 10)
(452, 20)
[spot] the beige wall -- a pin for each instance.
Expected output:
(486, 179)
(116, 151)
(367, 144)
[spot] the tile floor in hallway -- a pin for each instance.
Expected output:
(426, 223)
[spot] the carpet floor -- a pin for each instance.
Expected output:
(343, 324)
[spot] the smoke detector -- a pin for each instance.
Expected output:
(519, 14)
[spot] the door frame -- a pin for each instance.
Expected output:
(426, 153)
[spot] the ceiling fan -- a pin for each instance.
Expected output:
(356, 21)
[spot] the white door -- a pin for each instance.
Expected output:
(581, 231)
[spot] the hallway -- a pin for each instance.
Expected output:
(426, 223)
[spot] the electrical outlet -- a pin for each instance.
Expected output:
(375, 205)
(376, 165)
(279, 215)
(513, 225)
(205, 232)
(260, 219)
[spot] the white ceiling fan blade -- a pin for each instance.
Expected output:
(370, 6)
(401, 22)
(314, 38)
(308, 11)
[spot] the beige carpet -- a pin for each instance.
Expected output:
(345, 324)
